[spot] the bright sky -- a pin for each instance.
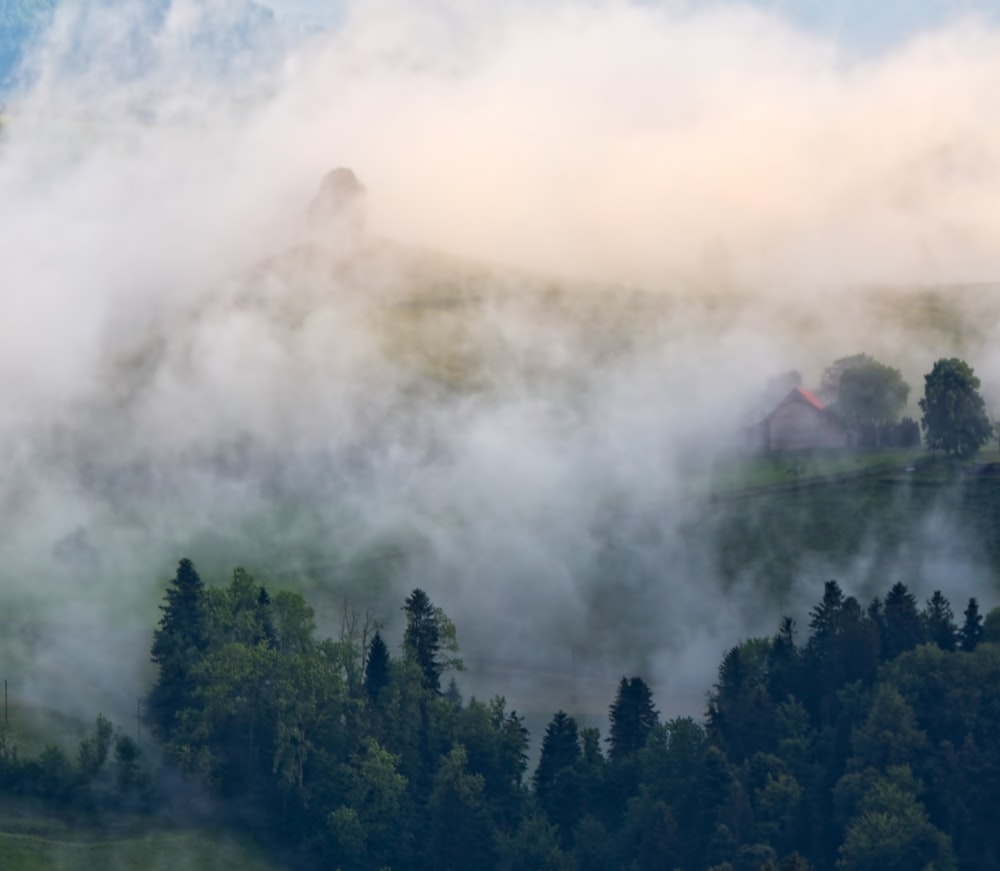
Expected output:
(863, 25)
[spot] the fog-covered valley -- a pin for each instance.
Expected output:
(592, 235)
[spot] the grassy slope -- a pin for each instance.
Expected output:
(36, 838)
(879, 523)
(193, 850)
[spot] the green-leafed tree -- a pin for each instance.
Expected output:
(293, 622)
(829, 388)
(178, 645)
(889, 735)
(462, 835)
(954, 414)
(370, 828)
(872, 396)
(534, 847)
(94, 750)
(891, 832)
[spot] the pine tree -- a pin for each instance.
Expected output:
(971, 632)
(903, 627)
(422, 639)
(265, 619)
(939, 622)
(178, 644)
(558, 780)
(823, 618)
(784, 662)
(560, 749)
(376, 666)
(633, 717)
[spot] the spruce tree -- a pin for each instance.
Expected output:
(633, 717)
(783, 662)
(422, 639)
(971, 632)
(560, 749)
(903, 627)
(376, 667)
(939, 622)
(824, 617)
(558, 779)
(178, 645)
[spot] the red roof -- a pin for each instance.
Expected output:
(809, 397)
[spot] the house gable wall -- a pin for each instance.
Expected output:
(799, 426)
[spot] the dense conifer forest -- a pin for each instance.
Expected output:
(868, 741)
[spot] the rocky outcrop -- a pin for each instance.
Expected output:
(337, 212)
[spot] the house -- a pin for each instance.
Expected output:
(800, 422)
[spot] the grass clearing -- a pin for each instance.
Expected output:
(35, 837)
(740, 473)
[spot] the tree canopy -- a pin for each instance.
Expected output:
(872, 395)
(954, 414)
(872, 744)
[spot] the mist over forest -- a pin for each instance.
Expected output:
(592, 234)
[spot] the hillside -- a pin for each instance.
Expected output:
(34, 837)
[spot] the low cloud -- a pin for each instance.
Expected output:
(594, 231)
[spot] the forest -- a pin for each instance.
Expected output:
(868, 743)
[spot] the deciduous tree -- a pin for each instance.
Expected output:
(872, 395)
(954, 419)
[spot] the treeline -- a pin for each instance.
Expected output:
(872, 744)
(107, 773)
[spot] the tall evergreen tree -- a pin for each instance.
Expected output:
(971, 632)
(376, 666)
(859, 641)
(422, 639)
(178, 645)
(903, 627)
(784, 662)
(939, 622)
(823, 618)
(265, 618)
(740, 710)
(633, 717)
(560, 749)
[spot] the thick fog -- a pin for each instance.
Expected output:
(592, 232)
